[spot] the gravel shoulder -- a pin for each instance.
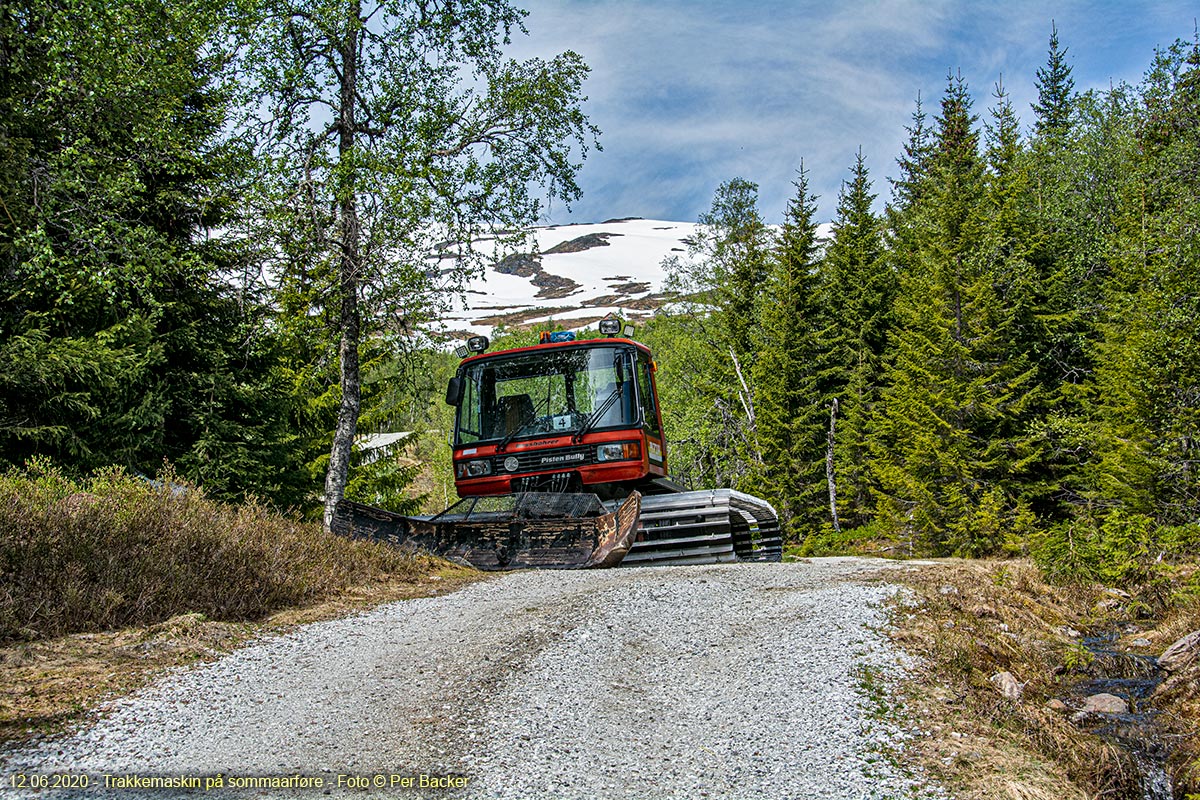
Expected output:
(739, 681)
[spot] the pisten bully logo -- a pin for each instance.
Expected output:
(562, 458)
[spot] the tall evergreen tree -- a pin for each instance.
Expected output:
(902, 216)
(913, 162)
(1055, 88)
(121, 341)
(857, 296)
(789, 400)
(1148, 376)
(1076, 168)
(1016, 334)
(948, 387)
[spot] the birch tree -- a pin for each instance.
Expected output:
(387, 131)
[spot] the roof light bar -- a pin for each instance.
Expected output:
(550, 337)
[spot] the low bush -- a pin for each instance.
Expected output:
(1117, 548)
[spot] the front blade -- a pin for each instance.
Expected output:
(536, 530)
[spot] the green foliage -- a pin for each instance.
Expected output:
(706, 344)
(951, 441)
(1016, 361)
(696, 394)
(1076, 657)
(788, 398)
(435, 138)
(1012, 346)
(873, 538)
(995, 525)
(1116, 549)
(1148, 374)
(857, 297)
(123, 339)
(1055, 86)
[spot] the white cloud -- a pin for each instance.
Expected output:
(690, 94)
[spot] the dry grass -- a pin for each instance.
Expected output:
(973, 619)
(1179, 694)
(116, 552)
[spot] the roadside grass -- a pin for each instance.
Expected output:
(107, 582)
(116, 551)
(969, 620)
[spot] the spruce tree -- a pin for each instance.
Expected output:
(123, 339)
(1077, 161)
(856, 297)
(946, 389)
(1011, 335)
(1055, 88)
(1148, 375)
(908, 192)
(913, 162)
(790, 405)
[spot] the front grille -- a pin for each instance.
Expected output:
(556, 482)
(559, 458)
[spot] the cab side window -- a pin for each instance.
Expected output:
(646, 396)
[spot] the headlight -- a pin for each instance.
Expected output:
(474, 469)
(619, 451)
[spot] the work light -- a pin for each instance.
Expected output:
(610, 326)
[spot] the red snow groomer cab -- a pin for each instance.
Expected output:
(562, 416)
(569, 417)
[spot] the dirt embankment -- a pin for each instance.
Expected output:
(1006, 663)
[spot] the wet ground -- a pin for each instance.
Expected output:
(1132, 677)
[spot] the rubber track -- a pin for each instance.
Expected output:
(706, 527)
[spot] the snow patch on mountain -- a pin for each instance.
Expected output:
(575, 275)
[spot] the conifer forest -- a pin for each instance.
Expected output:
(215, 221)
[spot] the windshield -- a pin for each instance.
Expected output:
(547, 391)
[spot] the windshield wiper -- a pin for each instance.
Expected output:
(512, 434)
(617, 391)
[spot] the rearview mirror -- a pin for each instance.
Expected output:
(454, 391)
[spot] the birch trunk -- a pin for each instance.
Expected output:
(833, 409)
(349, 316)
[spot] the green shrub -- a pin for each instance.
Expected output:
(1117, 549)
(865, 539)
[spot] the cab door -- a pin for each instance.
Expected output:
(656, 446)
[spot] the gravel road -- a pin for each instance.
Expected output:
(732, 681)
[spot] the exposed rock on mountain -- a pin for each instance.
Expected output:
(586, 242)
(553, 286)
(523, 265)
(573, 275)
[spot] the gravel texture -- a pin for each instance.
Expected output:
(732, 681)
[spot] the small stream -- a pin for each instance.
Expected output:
(1132, 677)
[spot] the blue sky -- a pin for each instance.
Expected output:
(689, 94)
